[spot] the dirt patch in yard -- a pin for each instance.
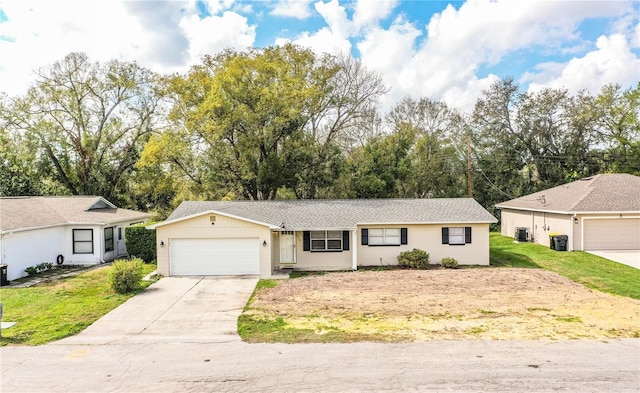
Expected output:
(408, 305)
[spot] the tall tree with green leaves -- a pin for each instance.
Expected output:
(619, 127)
(250, 124)
(89, 122)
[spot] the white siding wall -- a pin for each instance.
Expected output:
(429, 239)
(307, 260)
(29, 248)
(540, 225)
(224, 227)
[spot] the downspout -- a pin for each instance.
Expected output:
(354, 253)
(573, 225)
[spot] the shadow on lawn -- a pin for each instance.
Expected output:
(500, 257)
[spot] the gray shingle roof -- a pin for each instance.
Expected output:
(344, 213)
(34, 212)
(599, 193)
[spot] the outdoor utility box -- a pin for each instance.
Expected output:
(522, 234)
(3, 276)
(560, 242)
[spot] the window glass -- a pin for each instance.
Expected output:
(108, 239)
(326, 240)
(392, 235)
(456, 235)
(83, 241)
(382, 236)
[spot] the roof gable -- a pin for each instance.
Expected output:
(600, 193)
(20, 213)
(342, 214)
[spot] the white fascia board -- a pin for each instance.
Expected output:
(163, 223)
(426, 223)
(567, 212)
(31, 228)
(318, 229)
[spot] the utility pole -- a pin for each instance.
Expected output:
(469, 180)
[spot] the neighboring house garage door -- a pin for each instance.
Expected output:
(214, 257)
(612, 234)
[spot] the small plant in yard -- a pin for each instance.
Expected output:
(449, 263)
(31, 271)
(416, 258)
(125, 275)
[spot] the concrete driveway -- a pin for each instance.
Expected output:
(175, 309)
(627, 257)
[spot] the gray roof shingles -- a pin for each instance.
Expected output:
(343, 213)
(34, 212)
(599, 193)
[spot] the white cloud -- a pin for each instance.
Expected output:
(299, 9)
(333, 38)
(611, 62)
(215, 7)
(459, 42)
(369, 13)
(165, 36)
(231, 31)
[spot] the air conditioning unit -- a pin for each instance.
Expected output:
(522, 234)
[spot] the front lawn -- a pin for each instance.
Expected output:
(584, 268)
(521, 297)
(59, 308)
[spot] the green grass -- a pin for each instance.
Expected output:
(59, 308)
(589, 270)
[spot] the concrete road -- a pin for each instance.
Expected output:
(175, 309)
(627, 257)
(441, 366)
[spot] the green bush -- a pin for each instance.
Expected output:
(449, 263)
(31, 271)
(124, 275)
(141, 242)
(416, 258)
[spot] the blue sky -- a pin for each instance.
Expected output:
(442, 50)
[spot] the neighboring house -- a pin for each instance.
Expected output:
(601, 212)
(75, 230)
(257, 237)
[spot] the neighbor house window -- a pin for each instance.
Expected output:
(83, 241)
(383, 236)
(456, 235)
(325, 240)
(108, 239)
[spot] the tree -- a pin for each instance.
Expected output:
(619, 127)
(525, 142)
(255, 123)
(89, 122)
(436, 160)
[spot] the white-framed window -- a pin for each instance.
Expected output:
(83, 241)
(456, 235)
(108, 239)
(384, 236)
(326, 240)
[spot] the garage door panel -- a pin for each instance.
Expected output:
(214, 257)
(612, 234)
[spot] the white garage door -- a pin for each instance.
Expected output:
(612, 234)
(214, 257)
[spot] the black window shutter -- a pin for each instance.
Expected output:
(306, 241)
(467, 235)
(365, 236)
(403, 235)
(445, 235)
(345, 240)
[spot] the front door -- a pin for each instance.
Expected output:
(119, 235)
(287, 247)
